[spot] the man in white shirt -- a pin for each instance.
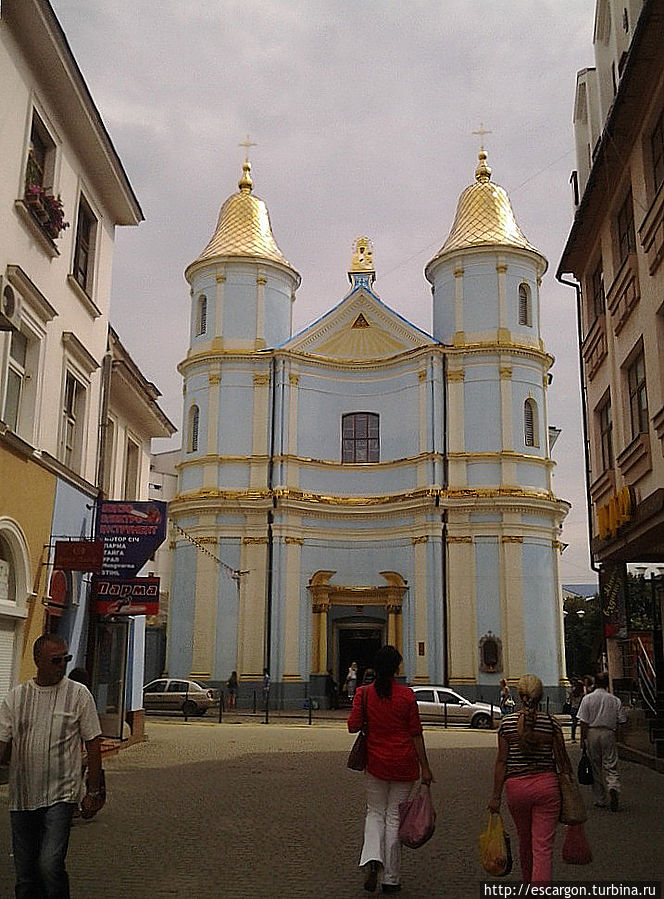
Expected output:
(45, 719)
(600, 713)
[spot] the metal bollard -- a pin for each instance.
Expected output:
(254, 705)
(310, 704)
(445, 713)
(221, 704)
(267, 709)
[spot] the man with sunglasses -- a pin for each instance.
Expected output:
(46, 719)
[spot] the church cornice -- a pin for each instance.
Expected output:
(209, 356)
(303, 460)
(506, 498)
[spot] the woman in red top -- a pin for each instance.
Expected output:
(396, 754)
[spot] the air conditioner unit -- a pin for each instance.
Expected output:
(10, 306)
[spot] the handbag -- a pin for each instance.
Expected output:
(495, 847)
(585, 769)
(572, 808)
(357, 757)
(417, 819)
(576, 849)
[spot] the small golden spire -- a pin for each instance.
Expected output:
(245, 183)
(482, 172)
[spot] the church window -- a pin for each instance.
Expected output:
(360, 437)
(201, 315)
(525, 306)
(192, 436)
(530, 424)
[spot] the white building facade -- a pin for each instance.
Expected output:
(363, 482)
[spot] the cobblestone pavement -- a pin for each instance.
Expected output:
(252, 810)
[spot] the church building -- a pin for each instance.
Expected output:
(363, 482)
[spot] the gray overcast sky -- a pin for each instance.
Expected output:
(363, 113)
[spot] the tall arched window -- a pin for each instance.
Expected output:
(530, 424)
(360, 437)
(525, 305)
(201, 315)
(192, 431)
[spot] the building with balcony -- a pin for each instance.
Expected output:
(615, 255)
(65, 378)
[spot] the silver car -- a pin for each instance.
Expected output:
(435, 703)
(169, 694)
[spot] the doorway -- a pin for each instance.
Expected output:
(357, 644)
(109, 674)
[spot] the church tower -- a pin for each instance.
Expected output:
(242, 293)
(503, 519)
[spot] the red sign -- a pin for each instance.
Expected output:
(126, 595)
(79, 555)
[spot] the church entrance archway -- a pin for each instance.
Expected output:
(351, 623)
(357, 643)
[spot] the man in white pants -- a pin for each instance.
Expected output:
(600, 713)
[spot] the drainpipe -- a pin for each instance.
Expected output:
(444, 533)
(106, 366)
(267, 651)
(584, 415)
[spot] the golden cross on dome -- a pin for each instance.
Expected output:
(246, 144)
(481, 132)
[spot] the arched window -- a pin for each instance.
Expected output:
(201, 315)
(360, 437)
(525, 305)
(530, 424)
(192, 433)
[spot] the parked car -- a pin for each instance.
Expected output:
(174, 695)
(433, 700)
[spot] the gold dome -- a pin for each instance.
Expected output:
(243, 228)
(484, 216)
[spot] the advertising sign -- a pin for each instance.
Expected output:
(125, 596)
(79, 555)
(131, 533)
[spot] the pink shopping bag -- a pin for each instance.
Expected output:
(417, 819)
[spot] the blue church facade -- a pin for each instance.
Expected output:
(363, 482)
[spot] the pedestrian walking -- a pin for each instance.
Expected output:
(45, 719)
(574, 699)
(600, 713)
(530, 745)
(331, 691)
(351, 681)
(505, 700)
(232, 685)
(396, 757)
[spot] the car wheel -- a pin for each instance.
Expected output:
(189, 708)
(482, 721)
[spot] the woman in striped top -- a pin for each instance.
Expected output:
(530, 745)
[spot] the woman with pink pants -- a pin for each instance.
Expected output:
(530, 744)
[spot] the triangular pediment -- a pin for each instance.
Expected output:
(361, 327)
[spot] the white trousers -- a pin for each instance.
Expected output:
(603, 755)
(381, 827)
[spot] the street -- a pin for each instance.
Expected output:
(254, 810)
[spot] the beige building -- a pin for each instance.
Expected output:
(615, 253)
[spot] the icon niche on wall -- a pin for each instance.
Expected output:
(491, 653)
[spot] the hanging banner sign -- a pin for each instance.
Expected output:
(125, 596)
(79, 555)
(131, 533)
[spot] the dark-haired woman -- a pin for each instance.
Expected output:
(396, 758)
(530, 743)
